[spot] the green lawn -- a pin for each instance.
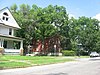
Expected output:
(8, 61)
(84, 56)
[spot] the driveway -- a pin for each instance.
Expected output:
(88, 66)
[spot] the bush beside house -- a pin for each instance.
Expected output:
(68, 53)
(1, 51)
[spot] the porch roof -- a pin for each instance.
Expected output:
(10, 37)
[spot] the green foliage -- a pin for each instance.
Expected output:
(13, 8)
(85, 31)
(84, 53)
(68, 53)
(40, 23)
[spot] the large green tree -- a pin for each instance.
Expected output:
(40, 23)
(85, 31)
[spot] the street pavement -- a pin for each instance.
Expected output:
(84, 66)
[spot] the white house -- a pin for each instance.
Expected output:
(9, 44)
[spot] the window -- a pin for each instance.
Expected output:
(10, 31)
(16, 45)
(5, 44)
(5, 16)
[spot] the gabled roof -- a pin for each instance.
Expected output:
(11, 21)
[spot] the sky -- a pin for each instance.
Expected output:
(75, 8)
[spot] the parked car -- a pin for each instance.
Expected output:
(94, 54)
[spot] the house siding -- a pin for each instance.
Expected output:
(5, 30)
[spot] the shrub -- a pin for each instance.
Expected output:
(83, 53)
(68, 53)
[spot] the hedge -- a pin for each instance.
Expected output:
(68, 53)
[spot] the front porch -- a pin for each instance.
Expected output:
(11, 45)
(12, 51)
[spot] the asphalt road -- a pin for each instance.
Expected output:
(81, 67)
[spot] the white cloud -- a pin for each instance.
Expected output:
(97, 16)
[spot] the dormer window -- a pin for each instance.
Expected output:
(6, 19)
(5, 16)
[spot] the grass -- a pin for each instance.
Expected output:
(8, 61)
(12, 64)
(82, 57)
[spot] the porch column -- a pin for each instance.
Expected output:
(0, 43)
(1, 47)
(21, 47)
(21, 44)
